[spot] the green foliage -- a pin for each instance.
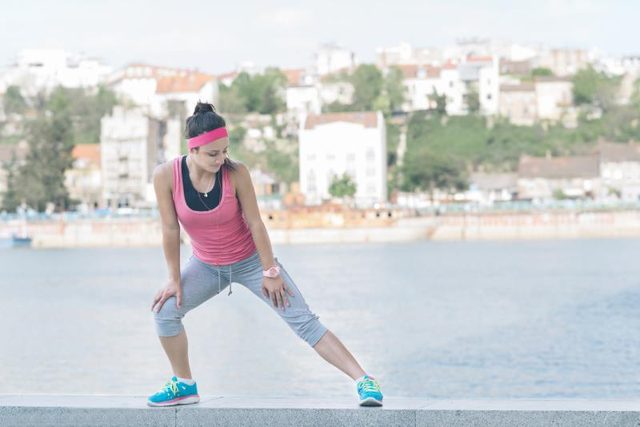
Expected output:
(42, 176)
(593, 87)
(441, 102)
(85, 110)
(393, 139)
(541, 72)
(283, 165)
(342, 186)
(368, 84)
(473, 101)
(394, 89)
(13, 102)
(10, 198)
(262, 93)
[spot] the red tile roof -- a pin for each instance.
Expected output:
(89, 152)
(188, 82)
(294, 76)
(368, 119)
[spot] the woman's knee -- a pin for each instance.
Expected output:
(168, 319)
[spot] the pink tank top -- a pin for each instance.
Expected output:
(220, 236)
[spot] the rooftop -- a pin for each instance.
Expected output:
(368, 119)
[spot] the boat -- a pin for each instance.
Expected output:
(15, 241)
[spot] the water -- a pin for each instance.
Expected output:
(552, 319)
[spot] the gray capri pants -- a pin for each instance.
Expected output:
(201, 281)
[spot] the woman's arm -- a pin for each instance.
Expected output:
(249, 203)
(274, 288)
(162, 178)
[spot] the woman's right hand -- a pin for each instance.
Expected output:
(172, 288)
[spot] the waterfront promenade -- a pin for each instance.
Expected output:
(133, 231)
(237, 411)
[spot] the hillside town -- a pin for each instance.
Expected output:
(314, 135)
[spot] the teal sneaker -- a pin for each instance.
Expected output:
(369, 392)
(173, 393)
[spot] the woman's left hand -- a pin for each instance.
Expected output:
(276, 290)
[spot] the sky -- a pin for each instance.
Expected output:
(216, 36)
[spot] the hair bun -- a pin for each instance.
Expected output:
(203, 107)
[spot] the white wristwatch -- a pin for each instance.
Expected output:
(273, 272)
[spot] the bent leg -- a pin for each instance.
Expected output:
(199, 283)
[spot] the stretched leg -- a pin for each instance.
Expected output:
(333, 351)
(300, 318)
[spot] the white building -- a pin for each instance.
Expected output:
(132, 144)
(420, 82)
(302, 93)
(153, 87)
(332, 58)
(36, 70)
(338, 143)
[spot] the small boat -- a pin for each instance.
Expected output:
(15, 241)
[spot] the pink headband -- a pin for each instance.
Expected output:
(207, 137)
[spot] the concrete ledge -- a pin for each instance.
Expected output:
(60, 410)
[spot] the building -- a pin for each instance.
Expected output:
(84, 179)
(554, 96)
(132, 144)
(405, 54)
(546, 99)
(559, 177)
(37, 70)
(421, 82)
(563, 62)
(620, 170)
(518, 103)
(302, 94)
(331, 58)
(338, 143)
(163, 90)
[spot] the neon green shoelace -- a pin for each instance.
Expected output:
(370, 384)
(171, 386)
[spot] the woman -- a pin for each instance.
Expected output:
(213, 198)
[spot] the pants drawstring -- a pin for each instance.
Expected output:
(220, 281)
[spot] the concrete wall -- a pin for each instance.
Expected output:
(237, 411)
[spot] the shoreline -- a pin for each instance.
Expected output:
(136, 232)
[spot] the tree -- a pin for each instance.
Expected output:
(50, 138)
(10, 199)
(593, 87)
(367, 83)
(541, 72)
(473, 101)
(262, 93)
(429, 171)
(394, 88)
(231, 101)
(342, 186)
(13, 102)
(441, 102)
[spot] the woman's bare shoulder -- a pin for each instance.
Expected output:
(163, 173)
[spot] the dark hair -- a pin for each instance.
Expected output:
(205, 119)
